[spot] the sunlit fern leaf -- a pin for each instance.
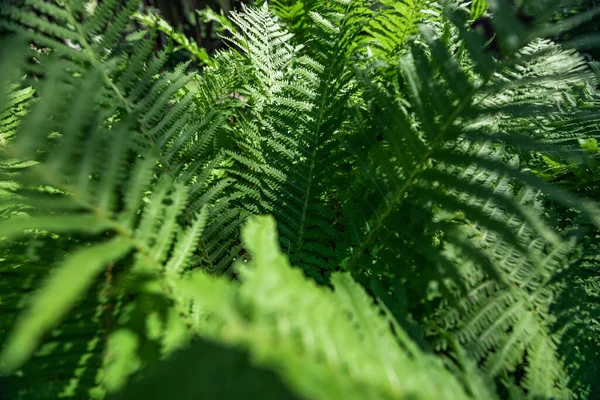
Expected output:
(87, 201)
(535, 97)
(184, 121)
(294, 15)
(156, 22)
(18, 102)
(478, 8)
(218, 106)
(442, 119)
(150, 234)
(155, 171)
(350, 348)
(15, 109)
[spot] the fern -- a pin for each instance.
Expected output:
(285, 91)
(62, 184)
(384, 137)
(394, 23)
(156, 22)
(448, 171)
(310, 352)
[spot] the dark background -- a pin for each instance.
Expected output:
(182, 16)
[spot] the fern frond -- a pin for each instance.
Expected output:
(80, 165)
(285, 153)
(502, 325)
(310, 350)
(433, 169)
(393, 24)
(85, 202)
(155, 22)
(444, 165)
(14, 110)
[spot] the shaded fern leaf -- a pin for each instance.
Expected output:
(506, 325)
(444, 191)
(286, 145)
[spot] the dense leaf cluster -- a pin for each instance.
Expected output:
(432, 229)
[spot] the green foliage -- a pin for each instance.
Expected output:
(156, 22)
(346, 350)
(478, 8)
(436, 199)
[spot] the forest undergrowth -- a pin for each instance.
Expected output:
(350, 199)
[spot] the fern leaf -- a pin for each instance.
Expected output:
(47, 308)
(283, 333)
